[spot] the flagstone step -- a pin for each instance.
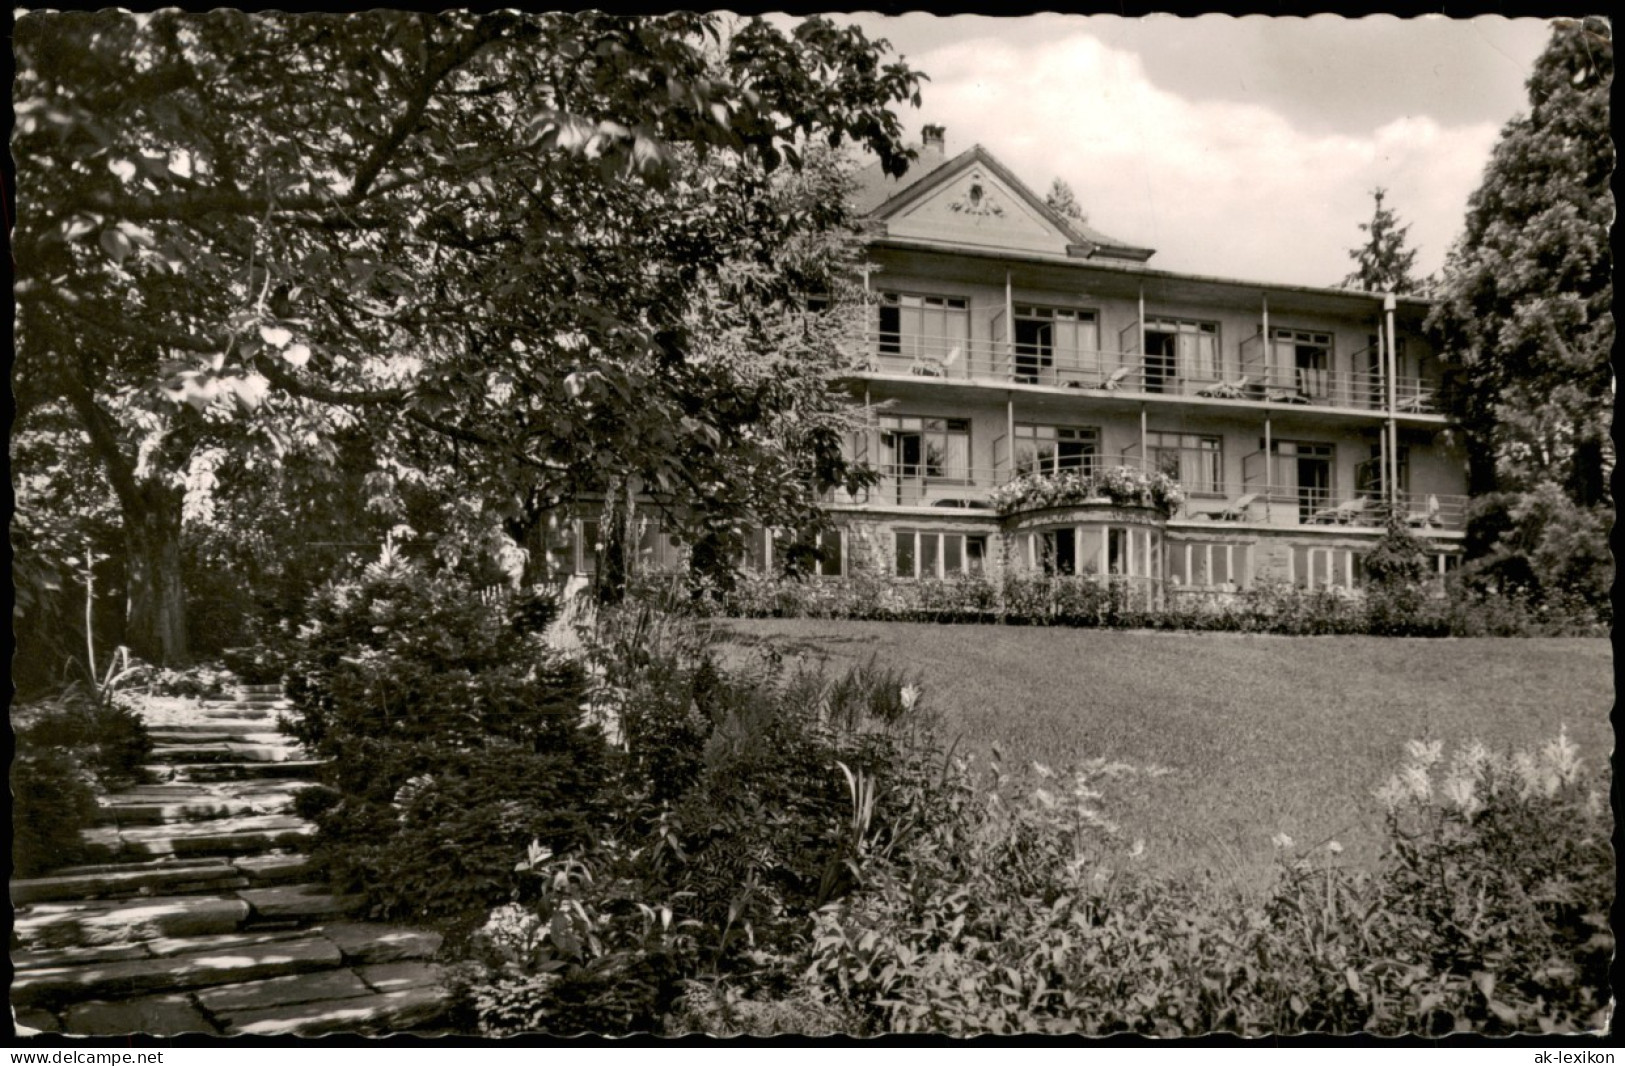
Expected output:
(293, 770)
(299, 902)
(206, 961)
(119, 880)
(105, 922)
(365, 943)
(231, 712)
(275, 868)
(385, 1012)
(229, 752)
(38, 1020)
(187, 732)
(220, 836)
(170, 1015)
(204, 809)
(226, 1000)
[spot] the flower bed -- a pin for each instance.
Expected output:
(1123, 486)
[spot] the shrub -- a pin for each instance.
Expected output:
(69, 748)
(454, 739)
(747, 795)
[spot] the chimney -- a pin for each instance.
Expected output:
(931, 144)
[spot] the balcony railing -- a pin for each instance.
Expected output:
(1001, 362)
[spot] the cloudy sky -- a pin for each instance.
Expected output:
(1242, 147)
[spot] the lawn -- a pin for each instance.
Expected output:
(1263, 734)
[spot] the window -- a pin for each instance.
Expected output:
(1326, 568)
(1045, 336)
(1176, 349)
(923, 553)
(817, 554)
(1368, 475)
(1207, 564)
(1051, 449)
(913, 326)
(1303, 469)
(936, 448)
(1303, 359)
(1194, 460)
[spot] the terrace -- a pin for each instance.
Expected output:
(1261, 379)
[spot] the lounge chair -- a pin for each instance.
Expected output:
(1114, 380)
(1238, 511)
(1420, 404)
(1225, 390)
(1426, 519)
(1344, 514)
(935, 368)
(1285, 396)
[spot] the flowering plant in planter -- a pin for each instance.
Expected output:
(1124, 486)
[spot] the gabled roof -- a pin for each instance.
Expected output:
(880, 197)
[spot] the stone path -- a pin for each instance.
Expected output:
(204, 918)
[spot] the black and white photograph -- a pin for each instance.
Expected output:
(875, 526)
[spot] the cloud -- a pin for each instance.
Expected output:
(1218, 186)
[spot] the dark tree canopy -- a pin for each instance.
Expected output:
(505, 247)
(1525, 320)
(1382, 262)
(1064, 201)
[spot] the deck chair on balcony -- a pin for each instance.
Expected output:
(1425, 519)
(926, 367)
(1225, 390)
(1274, 395)
(1420, 404)
(1344, 514)
(1115, 379)
(1240, 511)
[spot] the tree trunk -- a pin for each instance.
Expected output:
(615, 531)
(155, 603)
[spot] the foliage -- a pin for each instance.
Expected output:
(1425, 609)
(484, 241)
(1525, 318)
(454, 738)
(1015, 914)
(70, 747)
(1383, 263)
(1063, 201)
(747, 799)
(1125, 486)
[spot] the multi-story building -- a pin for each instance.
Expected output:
(1007, 340)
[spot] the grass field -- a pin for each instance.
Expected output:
(1263, 734)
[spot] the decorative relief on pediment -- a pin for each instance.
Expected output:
(978, 200)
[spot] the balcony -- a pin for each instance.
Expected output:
(998, 362)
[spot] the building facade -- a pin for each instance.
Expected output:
(1031, 383)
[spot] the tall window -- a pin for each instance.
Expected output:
(922, 553)
(915, 326)
(1051, 449)
(1175, 349)
(936, 448)
(819, 554)
(1194, 460)
(1302, 360)
(1047, 336)
(1303, 468)
(1202, 564)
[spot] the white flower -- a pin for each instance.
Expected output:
(1138, 850)
(1281, 841)
(910, 696)
(1461, 790)
(1334, 847)
(1425, 754)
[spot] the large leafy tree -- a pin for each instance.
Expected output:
(1382, 262)
(1525, 319)
(474, 236)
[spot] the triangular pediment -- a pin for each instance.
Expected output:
(972, 201)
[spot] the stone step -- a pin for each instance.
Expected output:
(221, 836)
(384, 1012)
(205, 808)
(225, 729)
(282, 750)
(188, 963)
(166, 1015)
(295, 770)
(121, 880)
(112, 922)
(275, 687)
(31, 1020)
(223, 1001)
(304, 902)
(275, 869)
(366, 943)
(230, 712)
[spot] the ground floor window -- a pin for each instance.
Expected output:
(1209, 564)
(1327, 568)
(820, 554)
(923, 553)
(1121, 551)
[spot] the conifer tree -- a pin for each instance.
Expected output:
(1383, 263)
